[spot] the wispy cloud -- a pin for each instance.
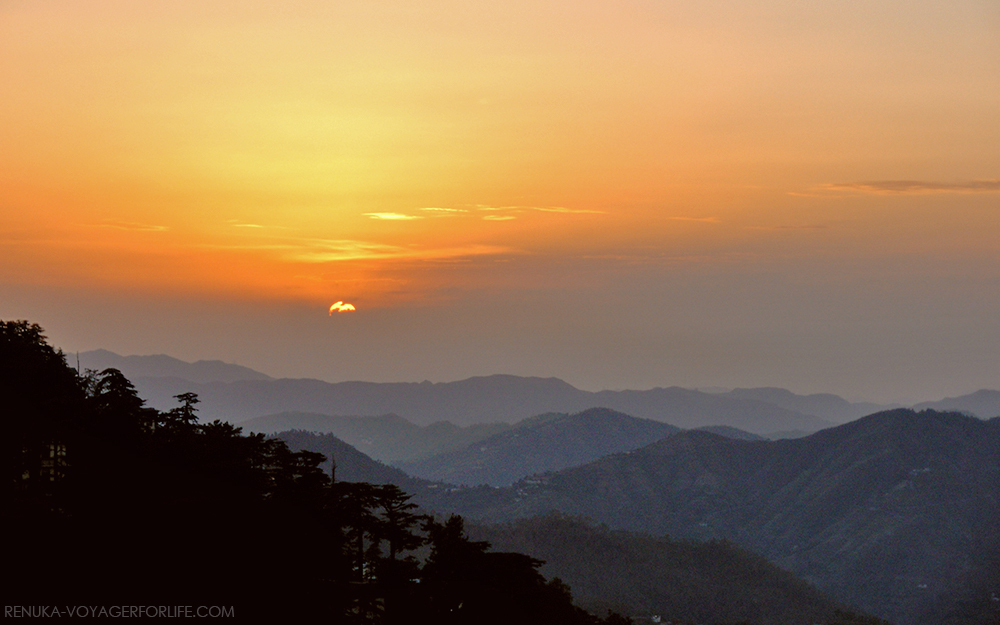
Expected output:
(540, 209)
(707, 220)
(436, 209)
(325, 251)
(499, 217)
(393, 216)
(130, 226)
(563, 209)
(314, 250)
(236, 223)
(914, 187)
(788, 227)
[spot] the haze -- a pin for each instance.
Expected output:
(622, 195)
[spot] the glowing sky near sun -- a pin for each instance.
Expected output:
(449, 154)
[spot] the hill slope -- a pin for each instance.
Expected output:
(642, 576)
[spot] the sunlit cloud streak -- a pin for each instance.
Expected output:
(541, 209)
(336, 251)
(914, 187)
(313, 250)
(788, 227)
(563, 209)
(130, 226)
(393, 216)
(707, 220)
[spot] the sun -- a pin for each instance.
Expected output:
(340, 307)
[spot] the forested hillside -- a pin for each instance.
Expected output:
(644, 576)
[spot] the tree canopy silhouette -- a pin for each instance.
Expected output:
(110, 498)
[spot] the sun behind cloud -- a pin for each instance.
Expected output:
(340, 307)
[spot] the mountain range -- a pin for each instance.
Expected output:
(646, 578)
(897, 513)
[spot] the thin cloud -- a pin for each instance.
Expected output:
(444, 210)
(540, 209)
(393, 216)
(340, 250)
(498, 217)
(707, 220)
(787, 227)
(311, 250)
(236, 223)
(130, 226)
(914, 187)
(563, 209)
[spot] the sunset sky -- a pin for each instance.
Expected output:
(623, 195)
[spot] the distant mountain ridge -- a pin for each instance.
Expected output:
(825, 405)
(984, 404)
(234, 393)
(387, 438)
(162, 366)
(491, 399)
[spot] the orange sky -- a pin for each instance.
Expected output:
(402, 154)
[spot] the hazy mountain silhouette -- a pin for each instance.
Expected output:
(542, 443)
(895, 513)
(984, 404)
(388, 438)
(497, 398)
(161, 366)
(825, 405)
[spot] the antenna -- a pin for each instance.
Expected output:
(78, 362)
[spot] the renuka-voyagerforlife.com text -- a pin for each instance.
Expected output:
(120, 611)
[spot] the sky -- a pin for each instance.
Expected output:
(622, 195)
